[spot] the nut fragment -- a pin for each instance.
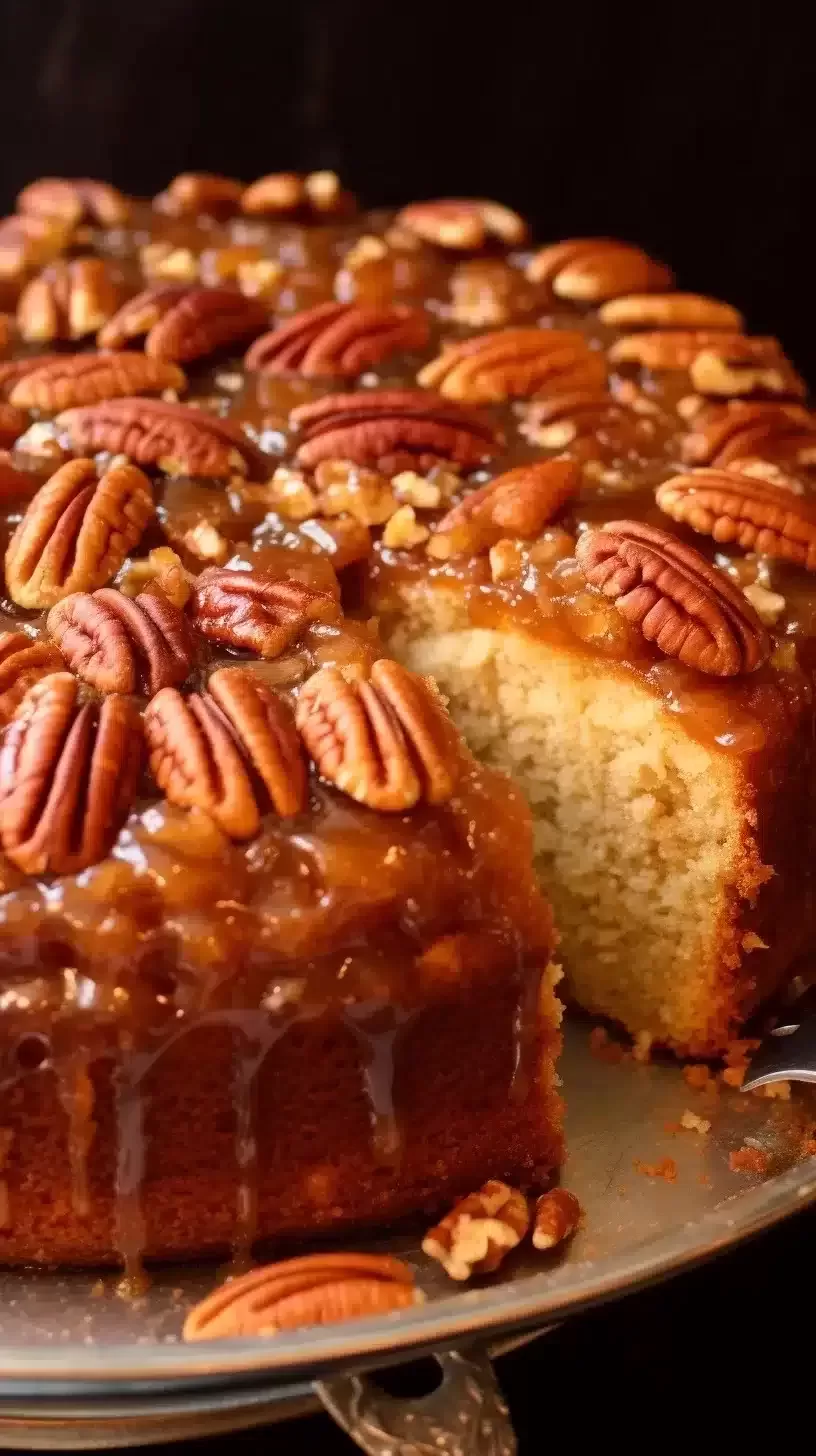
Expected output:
(514, 364)
(183, 324)
(176, 438)
(557, 1215)
(74, 200)
(392, 430)
(282, 194)
(165, 261)
(403, 531)
(69, 300)
(256, 612)
(76, 532)
(669, 311)
(733, 506)
(480, 1231)
(518, 503)
(207, 193)
(386, 742)
(23, 661)
(67, 777)
(688, 608)
(592, 270)
(341, 339)
(317, 1289)
(160, 572)
(70, 380)
(121, 645)
(343, 487)
(463, 224)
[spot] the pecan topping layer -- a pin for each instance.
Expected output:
(182, 324)
(480, 1231)
(67, 301)
(68, 775)
(463, 223)
(119, 644)
(23, 661)
(76, 532)
(688, 608)
(734, 506)
(772, 430)
(670, 311)
(514, 364)
(175, 438)
(318, 1289)
(74, 200)
(341, 339)
(66, 381)
(207, 750)
(518, 503)
(592, 270)
(386, 742)
(200, 192)
(255, 611)
(392, 430)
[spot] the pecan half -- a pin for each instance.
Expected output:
(669, 311)
(176, 438)
(688, 608)
(338, 339)
(67, 301)
(192, 193)
(317, 1289)
(592, 270)
(183, 324)
(557, 1215)
(254, 611)
(66, 381)
(678, 348)
(728, 372)
(28, 242)
(319, 194)
(12, 424)
(392, 430)
(74, 200)
(207, 751)
(463, 223)
(735, 507)
(76, 532)
(122, 645)
(480, 1231)
(386, 742)
(771, 430)
(14, 370)
(23, 661)
(513, 364)
(518, 503)
(68, 774)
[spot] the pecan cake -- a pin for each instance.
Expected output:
(274, 958)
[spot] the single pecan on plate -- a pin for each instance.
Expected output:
(174, 438)
(28, 242)
(733, 506)
(386, 742)
(480, 1231)
(74, 200)
(66, 381)
(770, 429)
(182, 324)
(317, 1289)
(230, 751)
(254, 611)
(338, 339)
(593, 270)
(76, 532)
(514, 364)
(518, 503)
(463, 223)
(68, 300)
(23, 661)
(670, 311)
(688, 608)
(319, 194)
(121, 644)
(556, 1217)
(68, 774)
(392, 430)
(200, 192)
(12, 424)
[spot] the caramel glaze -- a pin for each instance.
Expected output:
(328, 916)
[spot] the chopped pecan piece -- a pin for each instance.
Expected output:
(669, 311)
(480, 1231)
(76, 532)
(518, 503)
(557, 1215)
(160, 573)
(67, 301)
(463, 223)
(74, 200)
(392, 430)
(386, 742)
(23, 661)
(317, 1289)
(28, 242)
(122, 645)
(174, 437)
(183, 324)
(513, 364)
(772, 430)
(279, 194)
(68, 774)
(338, 339)
(206, 750)
(207, 193)
(66, 381)
(688, 608)
(592, 270)
(254, 611)
(742, 508)
(12, 424)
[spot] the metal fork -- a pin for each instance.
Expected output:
(787, 1053)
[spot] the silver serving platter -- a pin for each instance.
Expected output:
(76, 1357)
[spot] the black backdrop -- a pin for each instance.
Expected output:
(689, 130)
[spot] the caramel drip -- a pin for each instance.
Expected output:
(131, 1160)
(76, 1093)
(526, 1026)
(248, 1055)
(376, 1032)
